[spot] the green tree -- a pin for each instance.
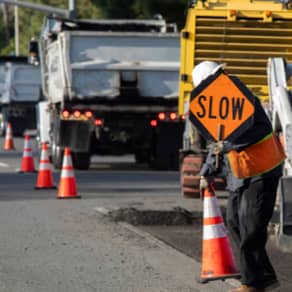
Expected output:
(31, 21)
(171, 10)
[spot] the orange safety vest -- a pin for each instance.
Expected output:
(257, 158)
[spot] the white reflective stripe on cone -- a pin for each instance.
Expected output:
(214, 231)
(27, 153)
(211, 208)
(45, 166)
(67, 161)
(44, 155)
(67, 173)
(27, 145)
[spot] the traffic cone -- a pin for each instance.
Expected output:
(27, 164)
(217, 258)
(8, 143)
(67, 185)
(45, 177)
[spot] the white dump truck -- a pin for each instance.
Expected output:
(20, 92)
(111, 89)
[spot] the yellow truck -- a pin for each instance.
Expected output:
(243, 34)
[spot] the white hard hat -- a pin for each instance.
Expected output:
(204, 70)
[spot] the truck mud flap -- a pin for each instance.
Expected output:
(168, 141)
(76, 135)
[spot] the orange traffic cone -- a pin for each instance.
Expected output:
(217, 258)
(8, 143)
(67, 185)
(27, 164)
(45, 177)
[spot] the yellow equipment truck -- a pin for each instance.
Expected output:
(243, 34)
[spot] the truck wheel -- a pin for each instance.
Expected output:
(57, 156)
(190, 175)
(3, 124)
(81, 160)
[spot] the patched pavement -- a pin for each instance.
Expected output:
(181, 228)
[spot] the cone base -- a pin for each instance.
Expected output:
(69, 197)
(9, 149)
(45, 188)
(26, 171)
(8, 146)
(223, 277)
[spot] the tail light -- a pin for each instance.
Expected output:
(153, 123)
(77, 114)
(167, 116)
(173, 116)
(161, 116)
(98, 122)
(88, 114)
(65, 114)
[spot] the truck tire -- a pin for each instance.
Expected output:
(190, 175)
(81, 160)
(57, 156)
(3, 124)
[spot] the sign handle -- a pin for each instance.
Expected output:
(217, 152)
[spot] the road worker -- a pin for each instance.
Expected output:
(253, 168)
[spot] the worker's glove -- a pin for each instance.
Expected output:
(222, 147)
(209, 166)
(203, 183)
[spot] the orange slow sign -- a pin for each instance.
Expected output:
(221, 101)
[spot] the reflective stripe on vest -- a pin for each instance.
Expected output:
(257, 158)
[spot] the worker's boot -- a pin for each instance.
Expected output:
(271, 283)
(245, 288)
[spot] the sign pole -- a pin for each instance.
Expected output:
(217, 152)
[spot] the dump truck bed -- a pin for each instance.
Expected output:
(97, 64)
(22, 83)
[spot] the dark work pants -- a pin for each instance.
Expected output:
(248, 213)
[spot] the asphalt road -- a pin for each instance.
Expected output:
(49, 245)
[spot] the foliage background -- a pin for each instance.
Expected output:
(30, 21)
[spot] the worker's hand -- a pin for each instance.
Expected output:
(218, 148)
(209, 166)
(214, 160)
(221, 147)
(208, 169)
(203, 186)
(203, 183)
